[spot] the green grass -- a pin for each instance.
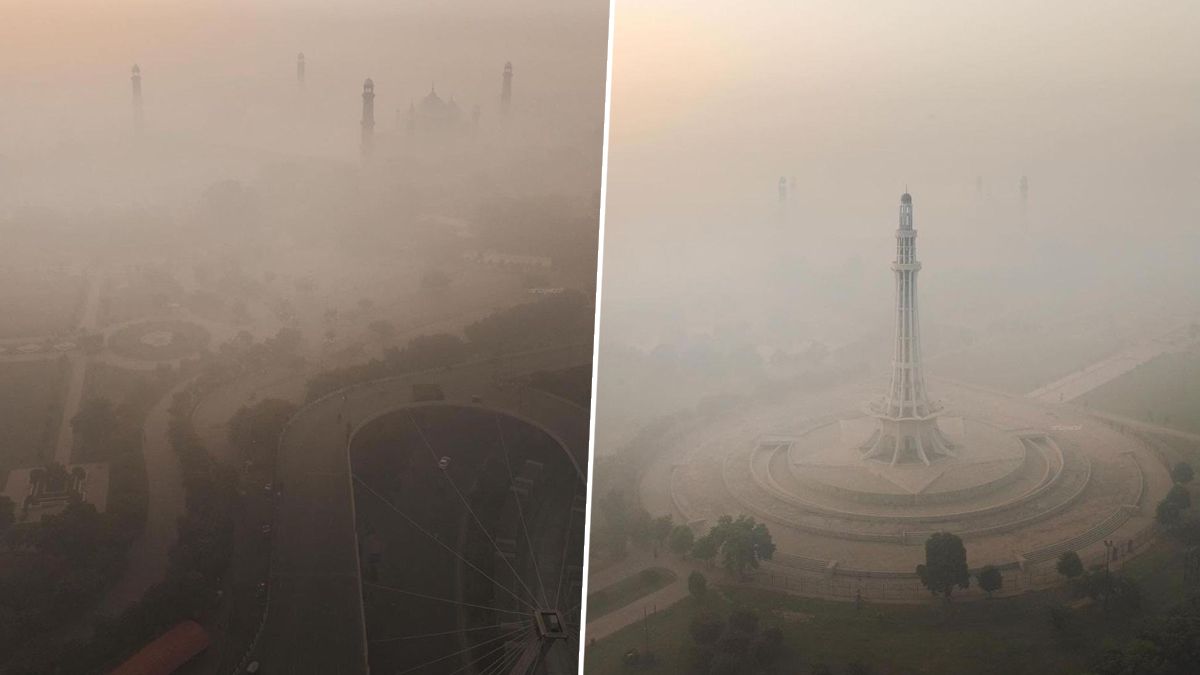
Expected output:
(188, 339)
(1164, 390)
(627, 590)
(31, 400)
(36, 306)
(1000, 636)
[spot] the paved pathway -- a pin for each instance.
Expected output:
(314, 610)
(146, 562)
(1102, 372)
(638, 560)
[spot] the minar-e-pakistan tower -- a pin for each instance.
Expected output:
(368, 116)
(907, 420)
(136, 80)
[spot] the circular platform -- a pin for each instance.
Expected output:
(1026, 480)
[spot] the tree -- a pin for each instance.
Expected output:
(383, 329)
(7, 513)
(1180, 496)
(990, 579)
(660, 529)
(706, 629)
(945, 564)
(96, 422)
(742, 543)
(743, 621)
(705, 548)
(766, 648)
(681, 540)
(1168, 512)
(254, 430)
(1069, 565)
(435, 279)
(1182, 473)
(697, 585)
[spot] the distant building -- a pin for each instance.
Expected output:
(43, 491)
(136, 80)
(435, 117)
(506, 88)
(368, 117)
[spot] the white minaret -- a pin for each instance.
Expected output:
(136, 79)
(908, 430)
(368, 117)
(300, 69)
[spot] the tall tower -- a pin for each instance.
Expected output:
(136, 79)
(908, 430)
(783, 189)
(368, 117)
(506, 88)
(1023, 186)
(300, 69)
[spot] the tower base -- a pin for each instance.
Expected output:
(907, 441)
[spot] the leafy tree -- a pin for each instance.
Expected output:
(742, 543)
(96, 422)
(255, 430)
(945, 564)
(660, 528)
(1059, 618)
(1182, 473)
(766, 648)
(7, 513)
(697, 585)
(743, 621)
(383, 329)
(1069, 565)
(435, 279)
(681, 540)
(706, 629)
(1168, 512)
(1180, 496)
(726, 663)
(705, 548)
(990, 579)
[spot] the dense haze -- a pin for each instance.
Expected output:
(175, 287)
(1095, 102)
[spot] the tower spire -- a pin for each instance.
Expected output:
(368, 117)
(908, 429)
(506, 88)
(135, 79)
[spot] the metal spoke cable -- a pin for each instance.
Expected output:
(562, 569)
(446, 475)
(510, 659)
(440, 542)
(395, 590)
(467, 649)
(485, 655)
(520, 512)
(506, 624)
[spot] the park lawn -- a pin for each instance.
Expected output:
(31, 400)
(1163, 391)
(35, 306)
(617, 595)
(1001, 636)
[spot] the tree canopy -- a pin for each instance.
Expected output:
(945, 564)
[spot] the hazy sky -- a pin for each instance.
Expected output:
(64, 64)
(1097, 102)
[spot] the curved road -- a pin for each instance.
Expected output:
(314, 616)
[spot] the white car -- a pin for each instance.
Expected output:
(444, 463)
